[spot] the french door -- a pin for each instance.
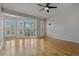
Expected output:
(10, 28)
(27, 29)
(21, 28)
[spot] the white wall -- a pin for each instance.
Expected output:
(65, 24)
(1, 28)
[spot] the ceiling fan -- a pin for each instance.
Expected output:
(46, 7)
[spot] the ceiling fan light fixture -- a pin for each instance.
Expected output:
(46, 8)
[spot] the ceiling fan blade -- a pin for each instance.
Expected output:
(47, 4)
(52, 7)
(41, 5)
(42, 9)
(48, 11)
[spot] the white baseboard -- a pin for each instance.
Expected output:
(63, 39)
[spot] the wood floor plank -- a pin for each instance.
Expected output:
(39, 47)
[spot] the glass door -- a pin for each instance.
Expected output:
(29, 29)
(34, 29)
(10, 28)
(26, 29)
(20, 28)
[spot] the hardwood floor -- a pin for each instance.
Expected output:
(39, 47)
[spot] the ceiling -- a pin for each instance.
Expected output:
(33, 9)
